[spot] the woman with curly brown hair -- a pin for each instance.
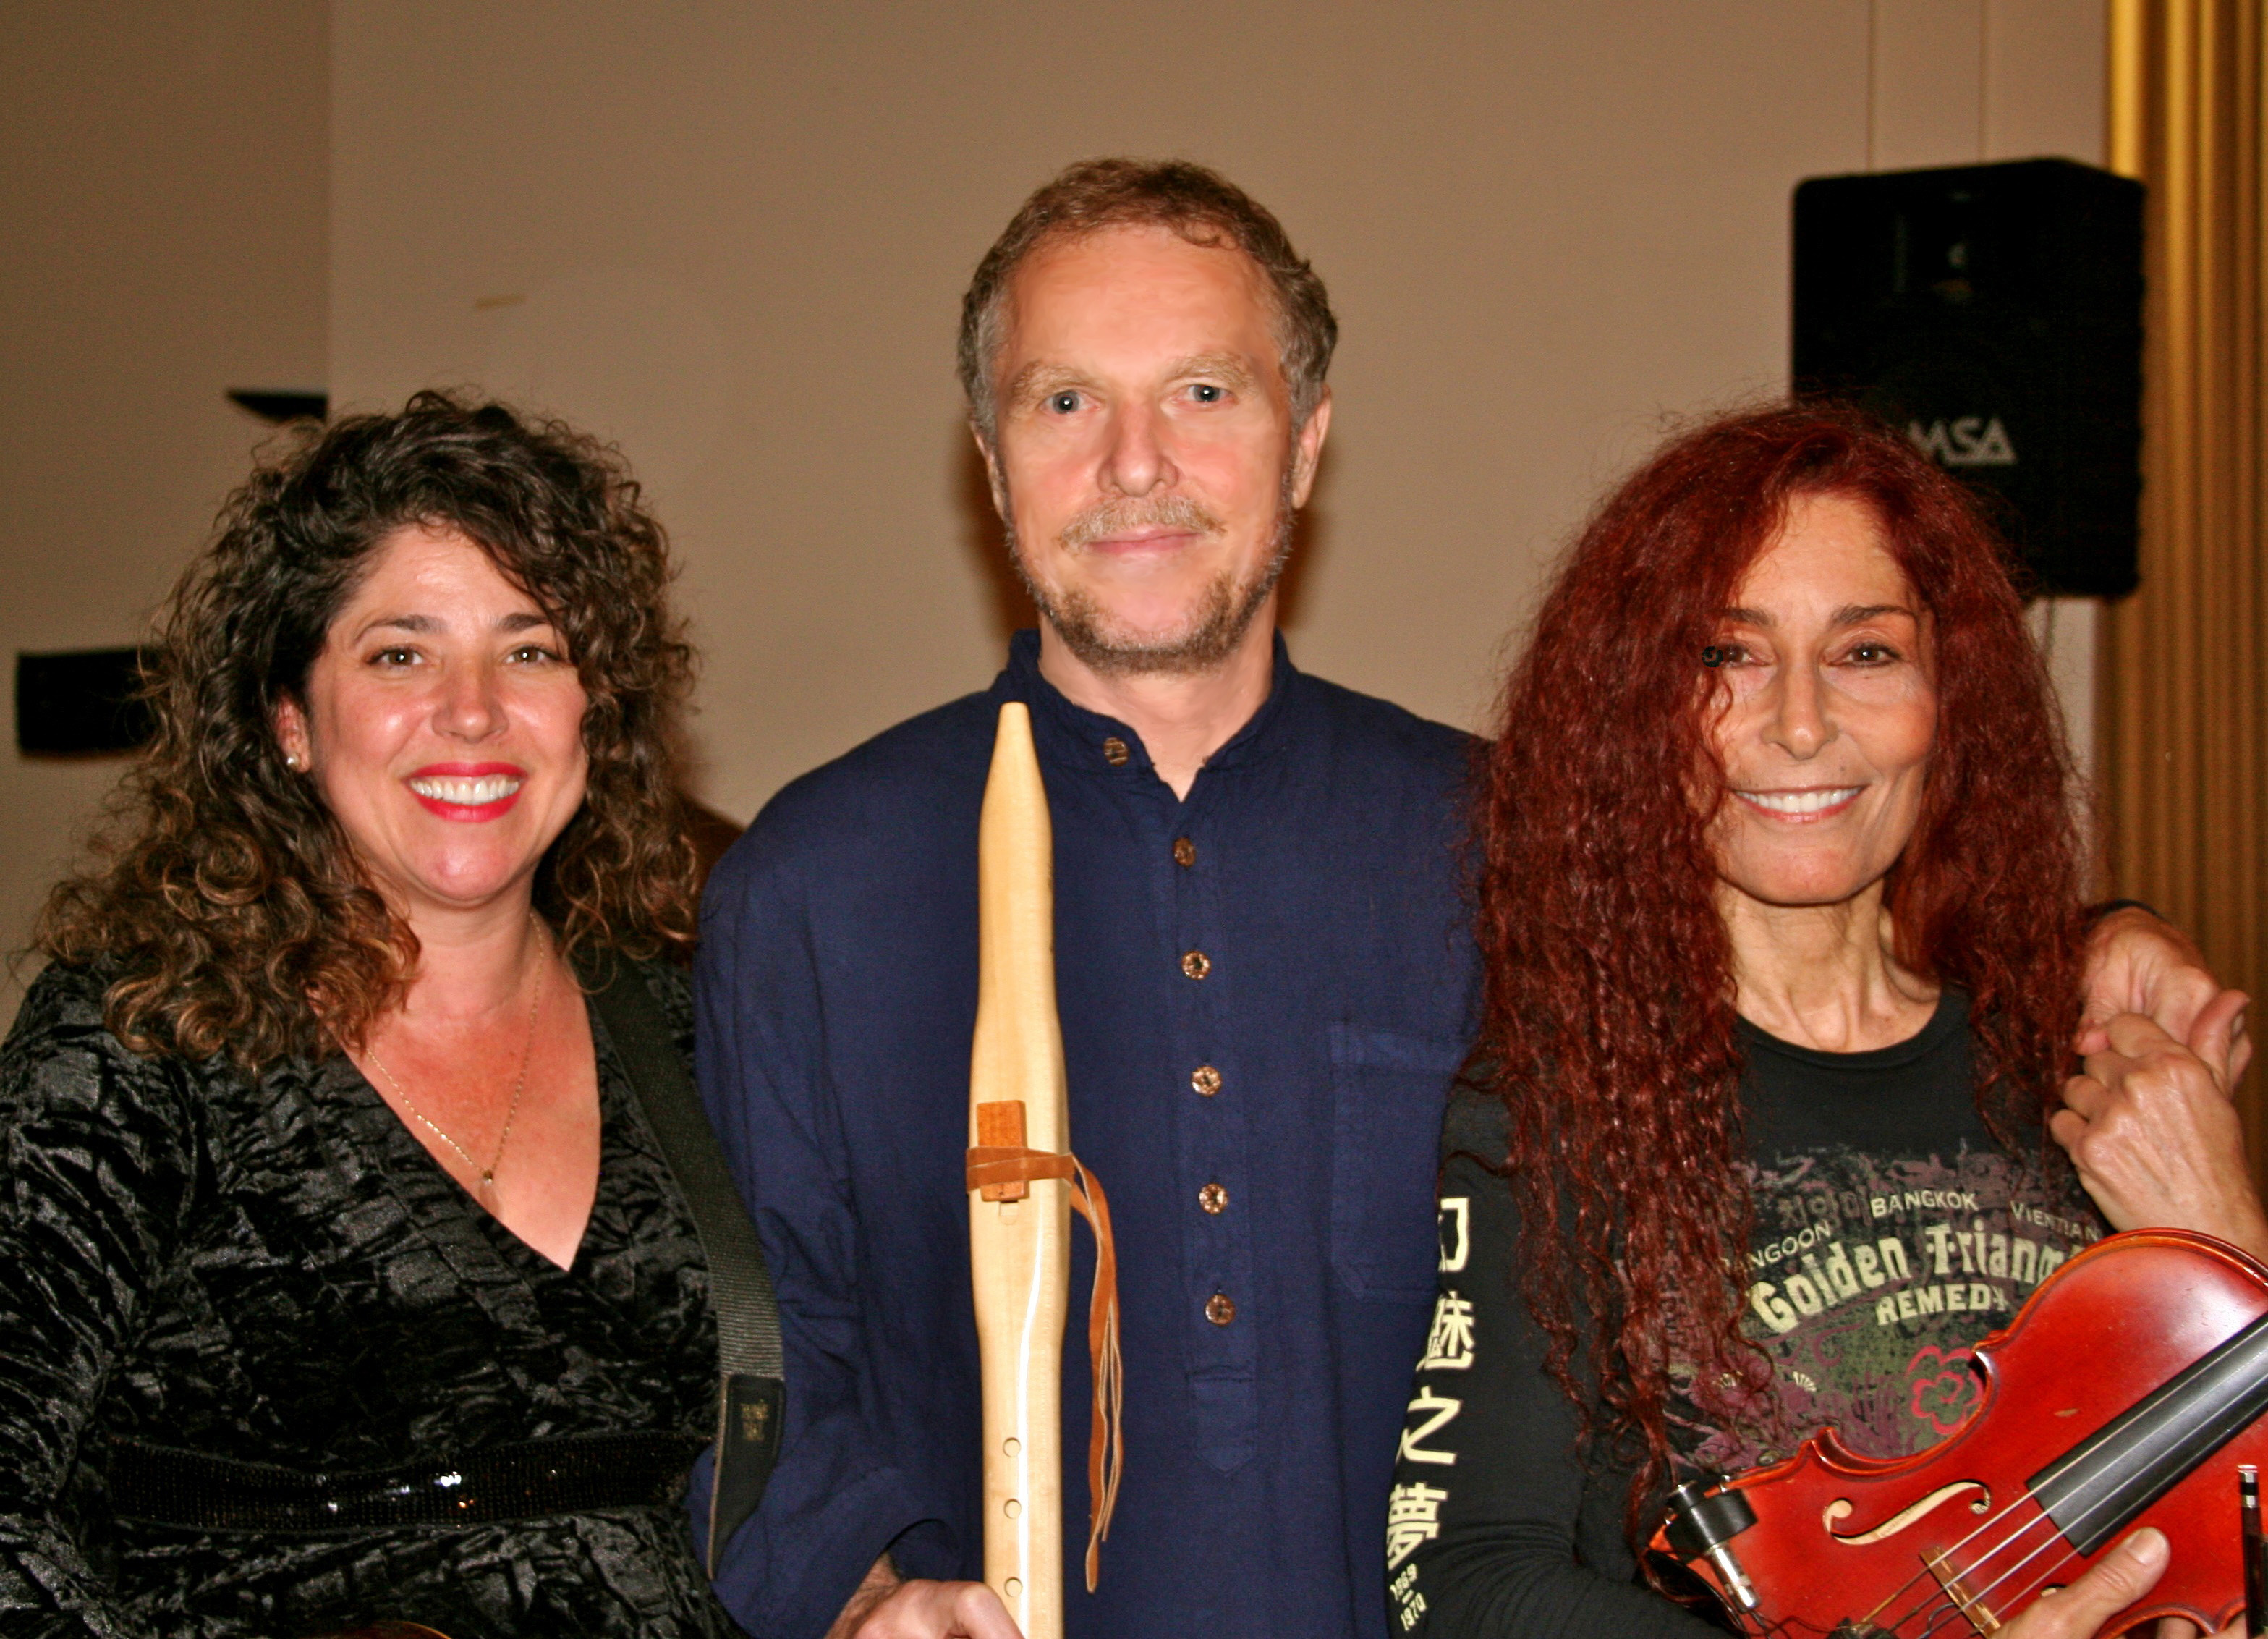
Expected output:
(1780, 905)
(340, 1278)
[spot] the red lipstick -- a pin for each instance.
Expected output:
(470, 791)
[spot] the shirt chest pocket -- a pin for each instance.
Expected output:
(1388, 1093)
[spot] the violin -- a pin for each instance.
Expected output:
(2125, 1392)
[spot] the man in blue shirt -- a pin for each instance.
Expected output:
(1264, 976)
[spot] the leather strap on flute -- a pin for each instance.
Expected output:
(1106, 1446)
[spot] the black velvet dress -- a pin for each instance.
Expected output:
(278, 1273)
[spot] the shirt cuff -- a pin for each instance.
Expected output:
(775, 1593)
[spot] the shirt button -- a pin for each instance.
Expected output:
(1196, 964)
(1185, 852)
(1114, 751)
(1213, 1198)
(1205, 1079)
(1220, 1309)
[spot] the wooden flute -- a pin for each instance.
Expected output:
(1023, 1187)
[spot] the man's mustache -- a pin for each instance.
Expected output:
(1114, 518)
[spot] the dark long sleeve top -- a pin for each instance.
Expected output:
(276, 1271)
(1892, 1231)
(1265, 1132)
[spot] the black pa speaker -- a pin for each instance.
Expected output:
(1994, 312)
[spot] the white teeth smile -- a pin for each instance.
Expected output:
(471, 794)
(1799, 802)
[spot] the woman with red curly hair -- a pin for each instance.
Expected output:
(1780, 903)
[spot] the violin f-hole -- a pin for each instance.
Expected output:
(1841, 1509)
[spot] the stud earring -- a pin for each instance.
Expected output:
(292, 761)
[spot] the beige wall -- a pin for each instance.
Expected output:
(163, 169)
(734, 237)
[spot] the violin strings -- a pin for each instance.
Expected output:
(1997, 1517)
(1938, 1595)
(2071, 1553)
(1952, 1606)
(1990, 1521)
(2008, 1543)
(1979, 1595)
(2085, 1519)
(1907, 1616)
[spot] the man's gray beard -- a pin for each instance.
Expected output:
(1224, 615)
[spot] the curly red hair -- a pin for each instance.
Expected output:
(1610, 1018)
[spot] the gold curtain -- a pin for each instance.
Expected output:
(2183, 717)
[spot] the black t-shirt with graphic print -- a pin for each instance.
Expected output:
(1892, 1233)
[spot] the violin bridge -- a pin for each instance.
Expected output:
(1979, 1615)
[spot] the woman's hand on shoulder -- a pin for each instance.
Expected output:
(2137, 961)
(2152, 1131)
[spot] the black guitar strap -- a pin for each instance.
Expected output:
(751, 1376)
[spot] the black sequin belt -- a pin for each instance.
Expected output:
(565, 1474)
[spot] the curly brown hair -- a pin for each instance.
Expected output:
(223, 900)
(1610, 999)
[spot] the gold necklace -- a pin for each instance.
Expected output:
(527, 1051)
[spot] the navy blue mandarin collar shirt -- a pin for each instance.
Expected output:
(1265, 991)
